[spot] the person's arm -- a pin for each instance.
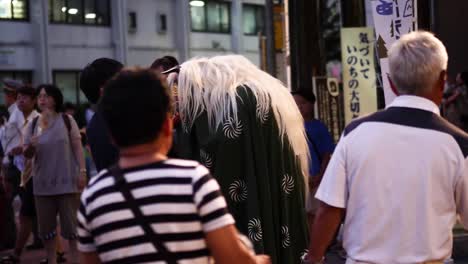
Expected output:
(333, 194)
(323, 166)
(452, 98)
(78, 151)
(326, 147)
(327, 221)
(461, 195)
(226, 248)
(86, 245)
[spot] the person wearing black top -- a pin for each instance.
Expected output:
(93, 78)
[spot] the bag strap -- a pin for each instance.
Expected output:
(34, 124)
(67, 122)
(139, 217)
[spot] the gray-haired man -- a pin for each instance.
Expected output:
(401, 174)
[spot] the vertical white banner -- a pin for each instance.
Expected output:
(392, 19)
(359, 78)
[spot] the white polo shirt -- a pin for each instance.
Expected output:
(402, 175)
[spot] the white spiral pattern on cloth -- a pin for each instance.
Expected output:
(255, 230)
(287, 184)
(286, 240)
(262, 114)
(238, 191)
(304, 254)
(206, 159)
(232, 129)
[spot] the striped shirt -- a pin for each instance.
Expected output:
(180, 198)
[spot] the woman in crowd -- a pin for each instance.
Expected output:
(245, 127)
(53, 141)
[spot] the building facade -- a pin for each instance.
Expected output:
(50, 41)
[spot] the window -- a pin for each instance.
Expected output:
(69, 83)
(132, 22)
(210, 16)
(25, 76)
(162, 23)
(80, 12)
(14, 10)
(254, 19)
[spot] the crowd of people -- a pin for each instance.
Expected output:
(215, 160)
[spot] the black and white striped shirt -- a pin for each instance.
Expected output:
(181, 199)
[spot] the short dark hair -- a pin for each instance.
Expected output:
(309, 96)
(165, 62)
(54, 92)
(95, 75)
(28, 90)
(135, 116)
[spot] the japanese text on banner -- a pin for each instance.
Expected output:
(392, 19)
(359, 79)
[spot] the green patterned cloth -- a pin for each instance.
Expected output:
(259, 177)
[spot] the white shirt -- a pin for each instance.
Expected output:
(19, 159)
(402, 175)
(11, 135)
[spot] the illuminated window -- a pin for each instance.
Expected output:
(14, 10)
(80, 12)
(254, 19)
(210, 16)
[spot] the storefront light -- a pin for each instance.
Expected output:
(197, 3)
(90, 16)
(72, 11)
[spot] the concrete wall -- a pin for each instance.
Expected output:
(147, 43)
(72, 47)
(16, 46)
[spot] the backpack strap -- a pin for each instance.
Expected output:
(67, 122)
(34, 124)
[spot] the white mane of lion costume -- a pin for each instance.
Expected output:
(211, 85)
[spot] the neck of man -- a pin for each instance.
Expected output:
(142, 154)
(26, 113)
(436, 98)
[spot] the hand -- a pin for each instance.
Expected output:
(29, 151)
(16, 151)
(262, 259)
(82, 181)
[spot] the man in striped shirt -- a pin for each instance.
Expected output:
(159, 210)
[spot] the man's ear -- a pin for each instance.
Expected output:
(392, 86)
(167, 126)
(442, 79)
